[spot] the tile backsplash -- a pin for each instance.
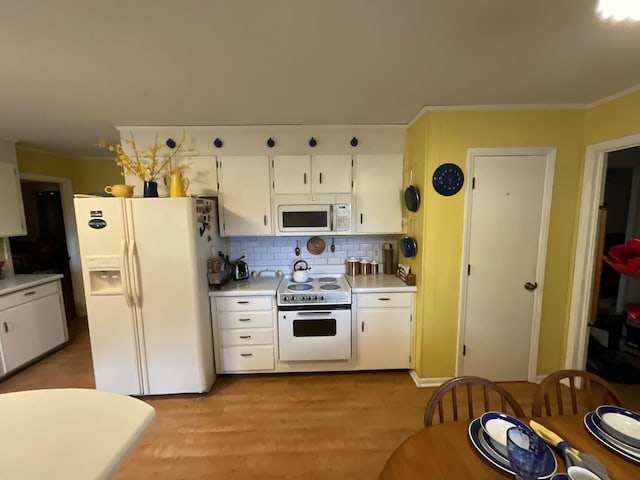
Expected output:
(278, 253)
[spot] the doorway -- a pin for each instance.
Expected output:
(612, 349)
(506, 230)
(51, 245)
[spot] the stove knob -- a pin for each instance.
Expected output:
(315, 298)
(285, 298)
(321, 297)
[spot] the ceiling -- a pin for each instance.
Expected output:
(71, 70)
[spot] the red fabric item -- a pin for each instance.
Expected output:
(625, 258)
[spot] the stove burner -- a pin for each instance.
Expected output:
(308, 280)
(298, 287)
(330, 286)
(328, 280)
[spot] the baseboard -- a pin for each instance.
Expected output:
(540, 378)
(427, 382)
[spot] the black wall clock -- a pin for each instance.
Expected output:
(448, 179)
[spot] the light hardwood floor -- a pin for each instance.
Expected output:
(293, 426)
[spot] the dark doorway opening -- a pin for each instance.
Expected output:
(44, 248)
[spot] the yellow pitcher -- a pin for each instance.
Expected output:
(178, 186)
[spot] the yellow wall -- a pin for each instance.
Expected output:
(448, 136)
(87, 176)
(614, 119)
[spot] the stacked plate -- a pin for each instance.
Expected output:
(488, 434)
(616, 428)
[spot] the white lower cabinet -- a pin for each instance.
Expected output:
(32, 322)
(243, 333)
(384, 324)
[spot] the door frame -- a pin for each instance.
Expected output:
(472, 153)
(593, 180)
(71, 234)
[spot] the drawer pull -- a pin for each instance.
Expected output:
(384, 299)
(246, 354)
(244, 337)
(6, 328)
(28, 294)
(244, 319)
(243, 301)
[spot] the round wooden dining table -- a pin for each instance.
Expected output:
(444, 451)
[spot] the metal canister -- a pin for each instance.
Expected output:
(365, 266)
(374, 268)
(352, 266)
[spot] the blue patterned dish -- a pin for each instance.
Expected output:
(593, 424)
(481, 441)
(620, 423)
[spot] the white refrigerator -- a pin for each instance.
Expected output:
(144, 267)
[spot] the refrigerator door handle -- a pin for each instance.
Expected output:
(135, 278)
(125, 272)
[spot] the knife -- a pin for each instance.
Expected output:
(572, 456)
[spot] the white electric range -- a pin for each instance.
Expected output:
(314, 319)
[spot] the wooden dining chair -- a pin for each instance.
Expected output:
(475, 395)
(572, 391)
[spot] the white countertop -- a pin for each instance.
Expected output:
(378, 283)
(68, 433)
(18, 282)
(252, 286)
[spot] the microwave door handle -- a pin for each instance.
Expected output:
(331, 214)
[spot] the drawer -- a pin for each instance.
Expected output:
(238, 359)
(244, 319)
(382, 300)
(245, 336)
(234, 304)
(27, 295)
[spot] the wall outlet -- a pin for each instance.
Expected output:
(243, 253)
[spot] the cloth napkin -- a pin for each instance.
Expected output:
(574, 457)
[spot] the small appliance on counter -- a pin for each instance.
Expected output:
(218, 270)
(239, 269)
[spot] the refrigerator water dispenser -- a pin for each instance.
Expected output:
(104, 275)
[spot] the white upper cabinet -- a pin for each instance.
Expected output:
(311, 174)
(292, 174)
(331, 173)
(202, 175)
(378, 193)
(12, 222)
(245, 196)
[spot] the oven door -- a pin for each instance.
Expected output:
(304, 218)
(307, 335)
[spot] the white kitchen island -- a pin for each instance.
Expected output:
(68, 433)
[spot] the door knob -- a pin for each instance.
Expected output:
(530, 286)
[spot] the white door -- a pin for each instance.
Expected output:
(331, 174)
(384, 338)
(506, 234)
(292, 174)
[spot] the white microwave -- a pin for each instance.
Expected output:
(313, 214)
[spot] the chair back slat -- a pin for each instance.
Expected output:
(593, 391)
(490, 390)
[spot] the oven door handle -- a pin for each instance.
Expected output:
(309, 314)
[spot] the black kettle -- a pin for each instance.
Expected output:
(239, 269)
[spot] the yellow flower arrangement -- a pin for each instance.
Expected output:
(148, 165)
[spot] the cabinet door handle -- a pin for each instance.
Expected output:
(6, 327)
(361, 217)
(362, 327)
(265, 220)
(28, 294)
(243, 301)
(305, 178)
(246, 354)
(320, 177)
(244, 337)
(244, 319)
(384, 299)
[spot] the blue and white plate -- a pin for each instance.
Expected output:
(593, 423)
(620, 423)
(560, 476)
(481, 441)
(495, 425)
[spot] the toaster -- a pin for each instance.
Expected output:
(239, 270)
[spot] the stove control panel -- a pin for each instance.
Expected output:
(314, 298)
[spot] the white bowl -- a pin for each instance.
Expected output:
(496, 424)
(621, 423)
(579, 473)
